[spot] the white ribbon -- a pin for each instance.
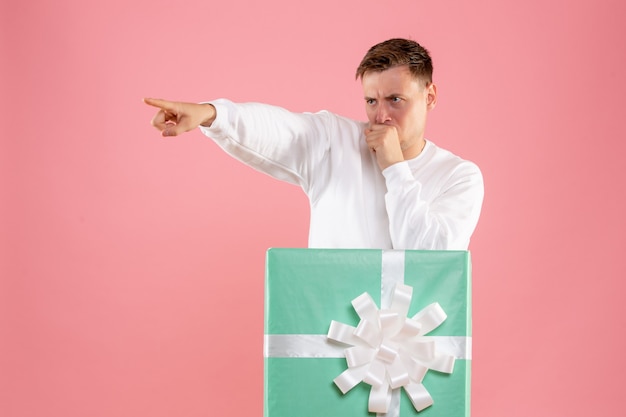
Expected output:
(387, 349)
(300, 346)
(318, 346)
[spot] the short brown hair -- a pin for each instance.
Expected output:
(396, 52)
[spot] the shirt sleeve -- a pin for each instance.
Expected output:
(444, 221)
(288, 146)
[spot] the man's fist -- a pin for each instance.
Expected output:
(384, 141)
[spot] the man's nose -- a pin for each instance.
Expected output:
(382, 114)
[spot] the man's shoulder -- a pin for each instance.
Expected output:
(341, 120)
(341, 130)
(441, 159)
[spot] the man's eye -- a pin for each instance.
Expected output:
(395, 99)
(371, 101)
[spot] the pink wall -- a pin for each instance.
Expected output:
(132, 266)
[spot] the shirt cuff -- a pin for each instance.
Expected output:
(221, 117)
(397, 174)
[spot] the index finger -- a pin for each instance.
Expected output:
(161, 104)
(378, 126)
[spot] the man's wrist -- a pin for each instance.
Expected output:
(211, 115)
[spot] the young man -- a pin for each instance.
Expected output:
(378, 184)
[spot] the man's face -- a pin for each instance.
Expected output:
(395, 97)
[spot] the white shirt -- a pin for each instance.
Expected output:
(430, 202)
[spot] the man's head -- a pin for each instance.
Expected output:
(397, 52)
(396, 76)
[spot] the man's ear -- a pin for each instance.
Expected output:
(431, 96)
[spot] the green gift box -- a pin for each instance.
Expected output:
(308, 289)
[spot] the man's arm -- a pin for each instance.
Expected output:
(417, 218)
(285, 145)
(444, 221)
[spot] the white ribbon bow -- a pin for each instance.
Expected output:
(388, 349)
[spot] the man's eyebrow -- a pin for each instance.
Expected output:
(387, 97)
